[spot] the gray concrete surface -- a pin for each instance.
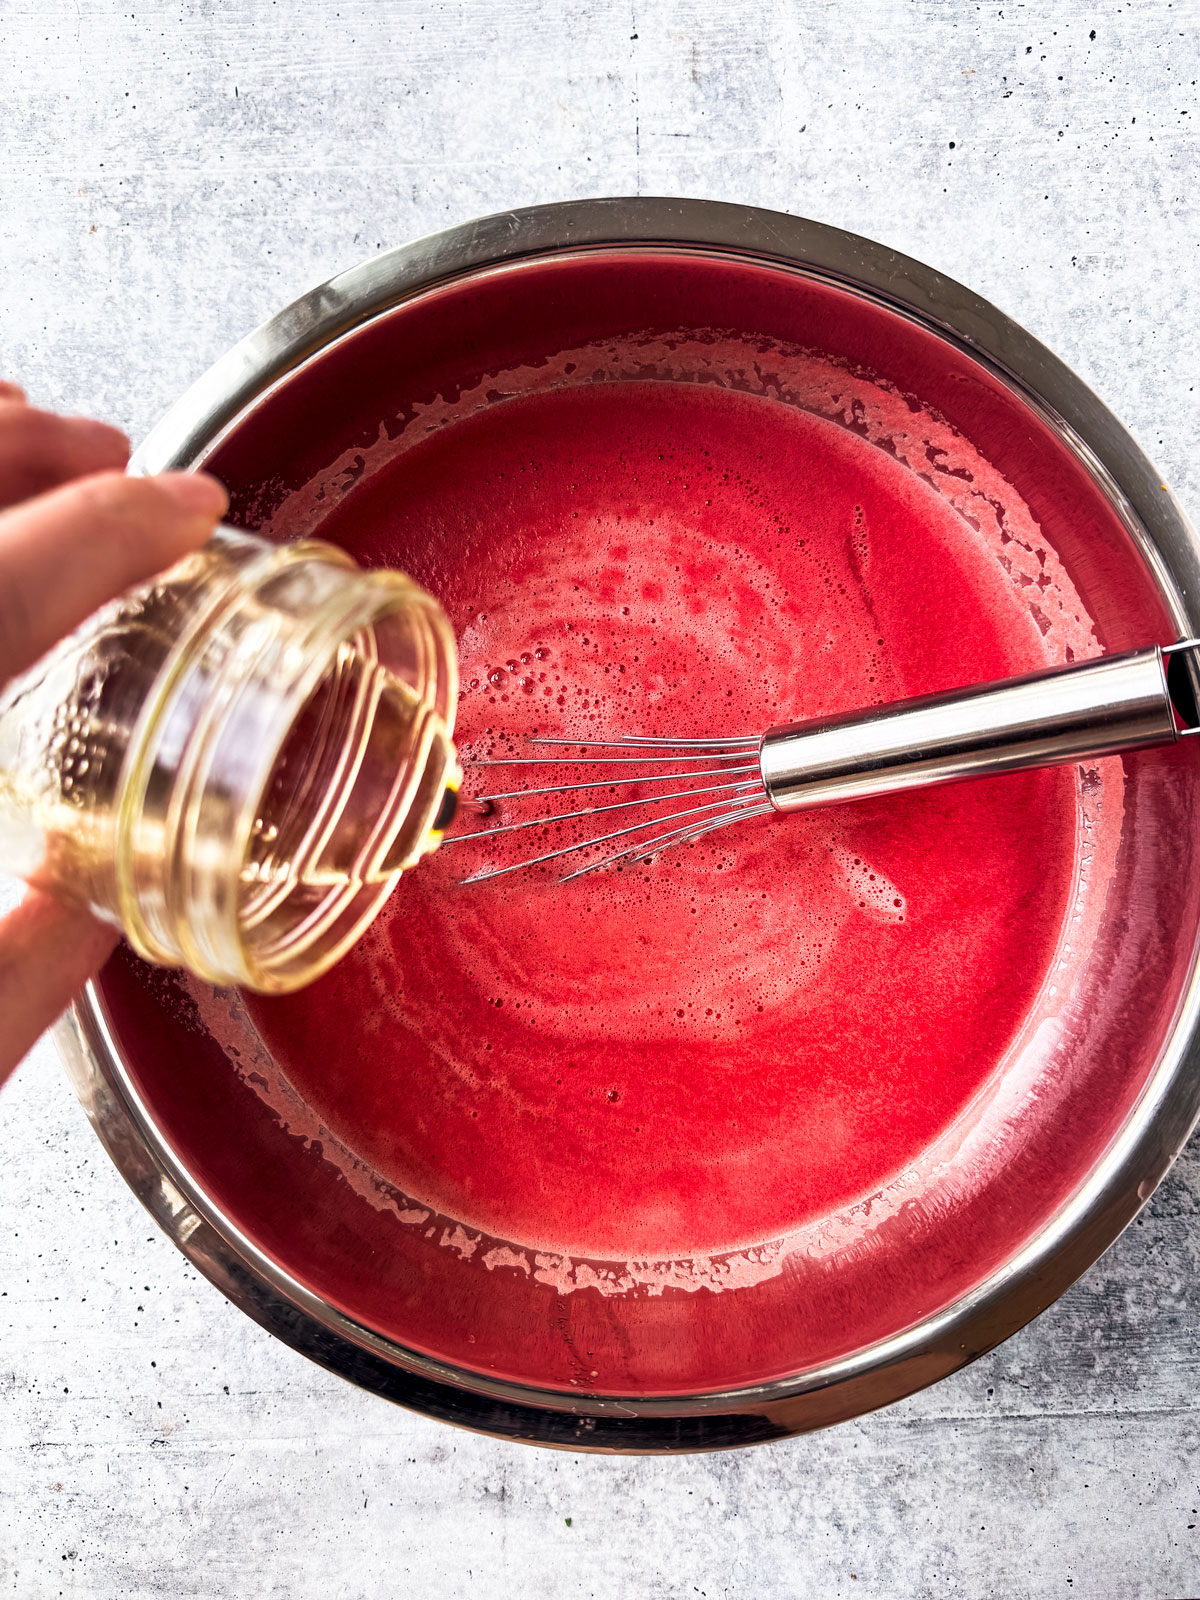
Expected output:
(172, 173)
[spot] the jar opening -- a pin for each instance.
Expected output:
(353, 799)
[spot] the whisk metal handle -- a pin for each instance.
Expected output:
(1044, 719)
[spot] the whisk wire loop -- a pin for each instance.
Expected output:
(731, 809)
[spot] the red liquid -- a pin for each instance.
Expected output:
(859, 1057)
(714, 1048)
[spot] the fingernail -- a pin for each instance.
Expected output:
(195, 493)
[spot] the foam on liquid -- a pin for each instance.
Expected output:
(729, 1044)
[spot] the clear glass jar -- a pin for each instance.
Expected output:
(235, 763)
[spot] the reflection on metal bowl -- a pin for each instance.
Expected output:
(982, 1229)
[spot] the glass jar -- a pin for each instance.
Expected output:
(235, 762)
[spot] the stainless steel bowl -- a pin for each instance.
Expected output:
(1007, 1293)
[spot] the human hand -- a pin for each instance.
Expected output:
(74, 533)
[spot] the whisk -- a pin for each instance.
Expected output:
(1063, 714)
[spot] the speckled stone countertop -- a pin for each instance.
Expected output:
(173, 173)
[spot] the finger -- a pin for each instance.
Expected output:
(47, 953)
(67, 552)
(11, 391)
(39, 450)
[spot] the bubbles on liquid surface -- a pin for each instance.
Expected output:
(730, 990)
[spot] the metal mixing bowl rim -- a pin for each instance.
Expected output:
(1077, 1233)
